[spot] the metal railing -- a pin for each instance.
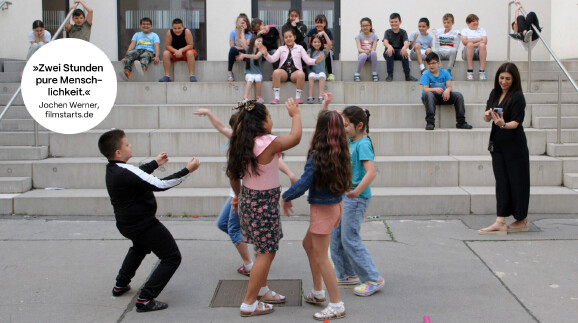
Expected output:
(20, 88)
(529, 79)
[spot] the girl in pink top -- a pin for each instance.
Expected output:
(253, 156)
(290, 68)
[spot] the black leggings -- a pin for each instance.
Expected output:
(159, 240)
(233, 52)
(525, 23)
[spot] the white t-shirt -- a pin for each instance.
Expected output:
(45, 39)
(446, 41)
(474, 34)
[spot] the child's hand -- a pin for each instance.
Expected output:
(193, 164)
(446, 95)
(235, 203)
(293, 179)
(389, 51)
(179, 53)
(202, 112)
(327, 97)
(156, 60)
(404, 53)
(292, 107)
(240, 57)
(287, 207)
(352, 194)
(162, 158)
(319, 58)
(262, 49)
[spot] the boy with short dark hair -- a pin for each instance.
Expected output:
(143, 48)
(437, 89)
(396, 44)
(179, 47)
(131, 194)
(82, 24)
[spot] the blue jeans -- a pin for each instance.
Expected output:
(228, 222)
(396, 55)
(349, 254)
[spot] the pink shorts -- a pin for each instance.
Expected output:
(324, 217)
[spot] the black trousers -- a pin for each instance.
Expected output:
(512, 173)
(159, 240)
(233, 52)
(430, 100)
(525, 23)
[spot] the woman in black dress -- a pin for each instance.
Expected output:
(509, 150)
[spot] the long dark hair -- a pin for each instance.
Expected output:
(516, 83)
(37, 23)
(332, 164)
(356, 115)
(249, 124)
(250, 52)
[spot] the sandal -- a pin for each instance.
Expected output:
(330, 313)
(272, 298)
(261, 309)
(490, 231)
(523, 228)
(243, 271)
(311, 299)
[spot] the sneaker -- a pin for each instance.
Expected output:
(118, 291)
(517, 36)
(389, 78)
(470, 76)
(353, 280)
(150, 305)
(330, 78)
(483, 76)
(369, 288)
(356, 78)
(192, 78)
(422, 70)
(310, 100)
(260, 100)
(230, 77)
(124, 74)
(375, 77)
(299, 101)
(330, 313)
(429, 126)
(165, 78)
(410, 78)
(320, 99)
(275, 101)
(464, 125)
(528, 36)
(139, 68)
(244, 271)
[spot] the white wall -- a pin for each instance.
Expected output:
(493, 16)
(104, 32)
(15, 24)
(221, 17)
(565, 29)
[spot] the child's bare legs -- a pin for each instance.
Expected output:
(298, 77)
(279, 75)
(247, 89)
(470, 55)
(417, 50)
(258, 277)
(191, 62)
(258, 87)
(316, 246)
(321, 86)
(243, 251)
(167, 62)
(482, 54)
(311, 85)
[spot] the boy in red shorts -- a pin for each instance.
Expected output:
(179, 47)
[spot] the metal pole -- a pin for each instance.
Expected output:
(508, 30)
(10, 103)
(559, 113)
(35, 133)
(529, 78)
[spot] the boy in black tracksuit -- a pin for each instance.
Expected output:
(131, 193)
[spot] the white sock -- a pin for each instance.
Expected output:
(263, 291)
(249, 266)
(318, 293)
(336, 305)
(421, 66)
(249, 307)
(276, 91)
(298, 94)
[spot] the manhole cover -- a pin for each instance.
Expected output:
(230, 293)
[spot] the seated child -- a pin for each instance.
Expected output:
(253, 61)
(82, 25)
(317, 71)
(270, 35)
(366, 43)
(421, 43)
(131, 194)
(179, 47)
(326, 38)
(143, 47)
(447, 41)
(474, 39)
(437, 89)
(38, 37)
(396, 44)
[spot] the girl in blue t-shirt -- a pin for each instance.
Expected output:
(317, 71)
(253, 60)
(353, 263)
(238, 41)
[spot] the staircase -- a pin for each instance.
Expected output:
(442, 172)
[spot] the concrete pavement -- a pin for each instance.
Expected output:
(62, 270)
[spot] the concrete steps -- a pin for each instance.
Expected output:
(15, 184)
(562, 150)
(23, 152)
(571, 180)
(552, 122)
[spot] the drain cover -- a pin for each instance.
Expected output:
(230, 293)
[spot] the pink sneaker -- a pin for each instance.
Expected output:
(275, 101)
(299, 101)
(260, 100)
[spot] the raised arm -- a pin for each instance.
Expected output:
(281, 144)
(218, 124)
